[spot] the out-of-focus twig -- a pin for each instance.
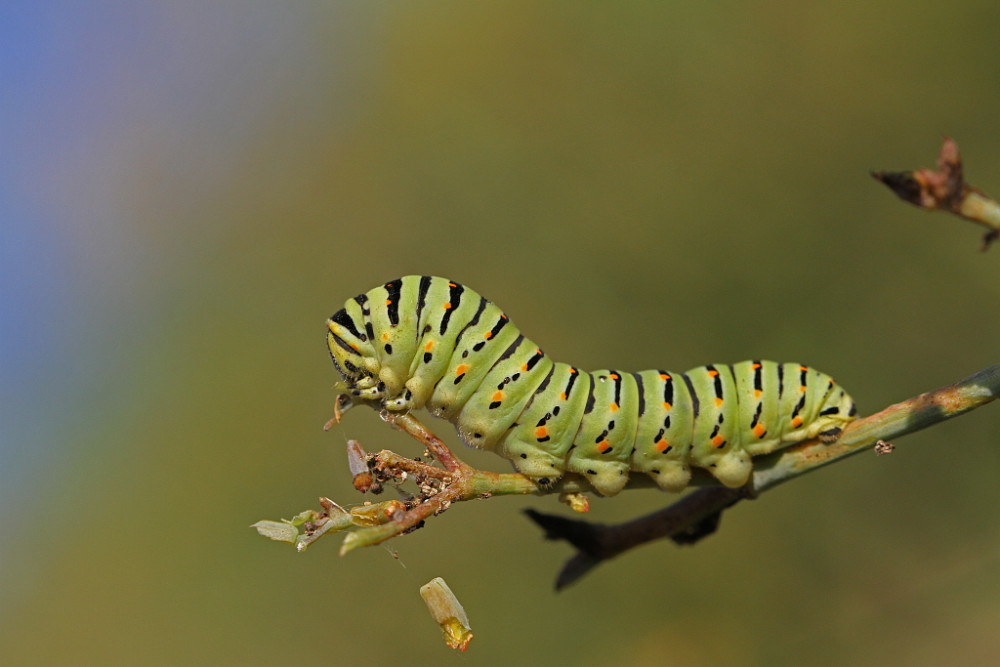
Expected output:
(946, 190)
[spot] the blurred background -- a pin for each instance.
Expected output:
(188, 190)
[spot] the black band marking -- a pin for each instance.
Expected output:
(454, 298)
(425, 285)
(642, 393)
(343, 319)
(392, 301)
(695, 403)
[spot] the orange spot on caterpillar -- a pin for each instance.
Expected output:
(447, 306)
(461, 368)
(755, 366)
(759, 430)
(429, 346)
(613, 407)
(667, 406)
(803, 368)
(802, 389)
(603, 447)
(797, 421)
(452, 284)
(497, 397)
(385, 336)
(756, 393)
(562, 396)
(664, 376)
(541, 432)
(615, 376)
(718, 402)
(712, 373)
(488, 335)
(573, 371)
(524, 367)
(718, 441)
(662, 446)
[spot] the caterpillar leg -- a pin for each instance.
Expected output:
(402, 403)
(671, 476)
(830, 435)
(373, 392)
(733, 468)
(543, 467)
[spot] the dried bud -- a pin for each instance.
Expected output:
(447, 612)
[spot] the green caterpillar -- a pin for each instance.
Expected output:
(427, 342)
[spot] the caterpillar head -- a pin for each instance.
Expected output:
(350, 349)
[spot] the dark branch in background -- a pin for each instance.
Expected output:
(946, 190)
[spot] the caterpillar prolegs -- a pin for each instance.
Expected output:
(427, 342)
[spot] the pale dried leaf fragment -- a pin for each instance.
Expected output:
(578, 502)
(376, 514)
(357, 463)
(447, 612)
(281, 531)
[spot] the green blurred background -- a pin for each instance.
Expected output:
(188, 191)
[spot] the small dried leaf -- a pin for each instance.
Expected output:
(281, 531)
(447, 612)
(357, 462)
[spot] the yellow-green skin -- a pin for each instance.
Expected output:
(427, 342)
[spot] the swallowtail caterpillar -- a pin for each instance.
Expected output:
(427, 342)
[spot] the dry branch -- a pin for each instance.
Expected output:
(946, 190)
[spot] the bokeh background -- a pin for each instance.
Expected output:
(188, 190)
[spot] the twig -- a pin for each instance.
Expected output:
(945, 190)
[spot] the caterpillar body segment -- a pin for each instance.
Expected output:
(427, 342)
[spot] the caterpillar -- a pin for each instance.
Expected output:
(428, 342)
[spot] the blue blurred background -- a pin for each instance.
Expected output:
(187, 191)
